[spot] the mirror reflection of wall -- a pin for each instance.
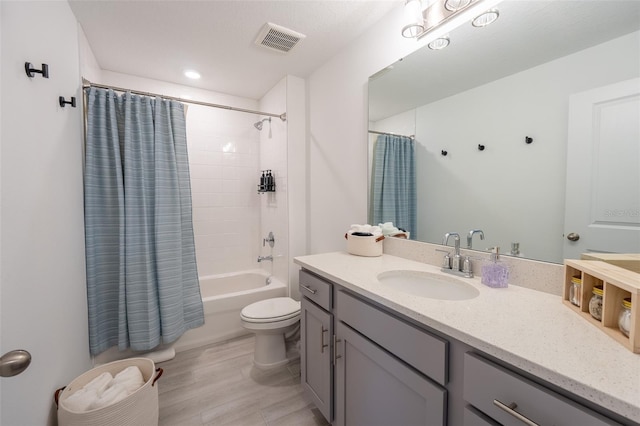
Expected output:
(513, 191)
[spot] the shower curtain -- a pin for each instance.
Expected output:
(393, 182)
(142, 280)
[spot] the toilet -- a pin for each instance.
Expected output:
(271, 320)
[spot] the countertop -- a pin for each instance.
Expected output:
(528, 329)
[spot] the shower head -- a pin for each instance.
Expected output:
(259, 124)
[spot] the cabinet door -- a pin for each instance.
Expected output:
(375, 388)
(315, 357)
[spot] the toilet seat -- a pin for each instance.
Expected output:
(271, 310)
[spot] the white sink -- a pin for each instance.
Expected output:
(425, 284)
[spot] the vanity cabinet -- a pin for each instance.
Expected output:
(382, 366)
(316, 325)
(511, 399)
(364, 364)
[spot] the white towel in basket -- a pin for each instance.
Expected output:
(82, 399)
(105, 390)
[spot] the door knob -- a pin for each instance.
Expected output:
(14, 362)
(573, 236)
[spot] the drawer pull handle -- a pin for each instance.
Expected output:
(511, 409)
(310, 290)
(335, 349)
(322, 344)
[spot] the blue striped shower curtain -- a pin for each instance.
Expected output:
(142, 279)
(393, 183)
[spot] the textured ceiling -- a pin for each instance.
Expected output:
(160, 39)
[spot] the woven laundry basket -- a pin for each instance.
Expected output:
(138, 409)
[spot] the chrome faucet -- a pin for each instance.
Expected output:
(470, 236)
(262, 258)
(458, 266)
(455, 265)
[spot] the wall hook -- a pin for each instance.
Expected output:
(443, 152)
(528, 140)
(480, 147)
(28, 68)
(64, 102)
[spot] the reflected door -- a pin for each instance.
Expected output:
(603, 171)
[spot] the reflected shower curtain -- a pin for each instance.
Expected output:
(393, 182)
(142, 280)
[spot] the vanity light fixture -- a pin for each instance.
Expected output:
(432, 19)
(194, 75)
(486, 18)
(414, 21)
(439, 43)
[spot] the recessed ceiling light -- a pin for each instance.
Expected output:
(439, 43)
(455, 5)
(486, 18)
(192, 74)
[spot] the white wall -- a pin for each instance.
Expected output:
(44, 307)
(297, 174)
(337, 96)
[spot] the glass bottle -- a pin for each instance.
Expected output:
(575, 291)
(624, 320)
(595, 304)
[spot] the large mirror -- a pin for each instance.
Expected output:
(506, 103)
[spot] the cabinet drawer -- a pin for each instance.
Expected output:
(421, 350)
(316, 289)
(487, 385)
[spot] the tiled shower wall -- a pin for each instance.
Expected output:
(224, 159)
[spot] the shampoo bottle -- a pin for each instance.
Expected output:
(494, 272)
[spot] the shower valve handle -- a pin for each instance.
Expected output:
(270, 239)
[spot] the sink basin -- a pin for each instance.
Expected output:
(425, 284)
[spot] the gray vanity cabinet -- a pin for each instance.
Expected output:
(387, 372)
(365, 365)
(316, 322)
(316, 369)
(375, 388)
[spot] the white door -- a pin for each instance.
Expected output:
(42, 281)
(603, 171)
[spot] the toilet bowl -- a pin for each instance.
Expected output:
(270, 320)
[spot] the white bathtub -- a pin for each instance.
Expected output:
(223, 297)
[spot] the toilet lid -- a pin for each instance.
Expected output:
(270, 310)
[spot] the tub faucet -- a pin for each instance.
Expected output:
(470, 236)
(261, 258)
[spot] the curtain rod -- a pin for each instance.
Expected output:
(86, 83)
(390, 134)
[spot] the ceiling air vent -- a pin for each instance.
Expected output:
(278, 38)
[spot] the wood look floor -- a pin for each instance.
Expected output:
(218, 385)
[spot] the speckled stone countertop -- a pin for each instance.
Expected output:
(528, 329)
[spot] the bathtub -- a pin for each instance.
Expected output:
(223, 297)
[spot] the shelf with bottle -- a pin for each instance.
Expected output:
(267, 182)
(607, 296)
